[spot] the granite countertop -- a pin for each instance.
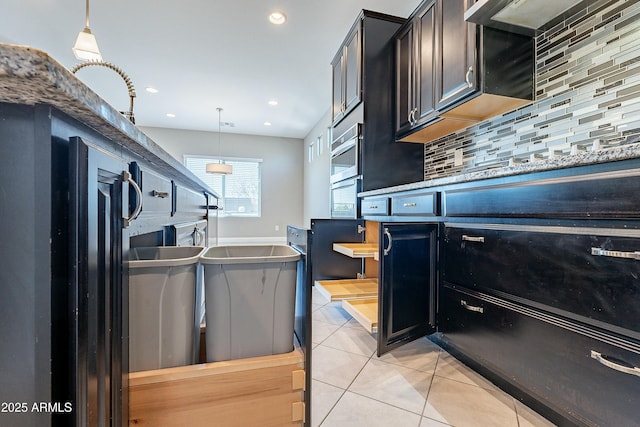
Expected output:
(629, 151)
(30, 76)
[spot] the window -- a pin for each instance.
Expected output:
(240, 191)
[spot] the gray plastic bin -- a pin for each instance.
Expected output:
(250, 294)
(162, 298)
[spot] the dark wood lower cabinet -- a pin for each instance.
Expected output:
(586, 376)
(98, 291)
(407, 283)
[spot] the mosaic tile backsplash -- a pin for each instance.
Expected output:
(587, 97)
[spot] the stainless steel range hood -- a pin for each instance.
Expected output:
(528, 17)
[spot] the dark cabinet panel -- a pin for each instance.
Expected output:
(375, 206)
(416, 203)
(457, 65)
(327, 263)
(407, 283)
(382, 161)
(602, 195)
(577, 272)
(415, 71)
(347, 76)
(588, 378)
(405, 79)
(99, 289)
(425, 59)
(463, 73)
(157, 192)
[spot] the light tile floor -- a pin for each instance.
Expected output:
(416, 385)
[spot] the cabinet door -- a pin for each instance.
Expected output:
(407, 283)
(404, 79)
(352, 70)
(425, 73)
(337, 94)
(99, 287)
(457, 69)
(325, 263)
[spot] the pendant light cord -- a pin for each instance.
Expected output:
(87, 15)
(219, 134)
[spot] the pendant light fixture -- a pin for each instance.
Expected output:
(219, 168)
(86, 47)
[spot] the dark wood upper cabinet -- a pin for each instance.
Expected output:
(415, 76)
(456, 63)
(452, 74)
(363, 93)
(347, 76)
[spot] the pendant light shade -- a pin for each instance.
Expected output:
(219, 168)
(86, 46)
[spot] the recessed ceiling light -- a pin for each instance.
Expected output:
(278, 18)
(151, 89)
(171, 115)
(267, 123)
(273, 102)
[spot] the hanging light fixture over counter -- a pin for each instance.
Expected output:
(86, 46)
(219, 168)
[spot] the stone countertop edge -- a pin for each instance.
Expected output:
(30, 76)
(629, 151)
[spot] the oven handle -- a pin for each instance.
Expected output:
(345, 183)
(348, 144)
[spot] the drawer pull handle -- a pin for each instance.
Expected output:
(615, 254)
(373, 207)
(631, 370)
(409, 205)
(160, 194)
(479, 239)
(471, 307)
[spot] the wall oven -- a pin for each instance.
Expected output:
(345, 154)
(344, 198)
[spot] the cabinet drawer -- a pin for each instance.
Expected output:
(375, 206)
(415, 204)
(553, 360)
(189, 201)
(597, 195)
(575, 272)
(156, 193)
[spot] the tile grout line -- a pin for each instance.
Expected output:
(426, 399)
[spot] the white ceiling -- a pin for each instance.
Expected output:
(203, 54)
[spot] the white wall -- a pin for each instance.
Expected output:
(317, 195)
(282, 176)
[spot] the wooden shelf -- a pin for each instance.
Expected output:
(271, 386)
(365, 311)
(341, 289)
(356, 250)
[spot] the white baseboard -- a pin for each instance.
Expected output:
(238, 241)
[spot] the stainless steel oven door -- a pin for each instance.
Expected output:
(345, 154)
(344, 198)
